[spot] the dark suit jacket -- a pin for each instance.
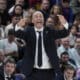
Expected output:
(49, 37)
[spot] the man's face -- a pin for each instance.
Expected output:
(3, 4)
(73, 30)
(38, 19)
(65, 58)
(69, 74)
(45, 5)
(9, 68)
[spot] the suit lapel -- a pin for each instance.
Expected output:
(33, 38)
(45, 37)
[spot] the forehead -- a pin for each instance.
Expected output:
(9, 64)
(38, 13)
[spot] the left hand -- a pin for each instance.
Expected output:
(62, 19)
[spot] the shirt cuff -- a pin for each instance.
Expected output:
(18, 28)
(66, 25)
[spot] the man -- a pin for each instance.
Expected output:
(69, 73)
(3, 12)
(75, 52)
(14, 20)
(43, 65)
(66, 60)
(64, 46)
(45, 7)
(9, 46)
(8, 70)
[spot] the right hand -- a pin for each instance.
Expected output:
(22, 23)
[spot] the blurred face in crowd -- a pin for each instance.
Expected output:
(38, 19)
(18, 10)
(65, 58)
(50, 22)
(65, 4)
(16, 19)
(73, 30)
(9, 68)
(65, 42)
(45, 5)
(3, 4)
(69, 73)
(21, 2)
(55, 10)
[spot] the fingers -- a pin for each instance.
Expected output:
(22, 23)
(62, 19)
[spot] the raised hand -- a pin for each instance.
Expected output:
(22, 23)
(62, 19)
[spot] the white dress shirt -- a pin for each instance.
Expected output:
(45, 60)
(5, 76)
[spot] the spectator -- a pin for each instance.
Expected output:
(65, 60)
(75, 5)
(69, 73)
(8, 70)
(45, 8)
(9, 46)
(56, 10)
(75, 53)
(67, 11)
(64, 46)
(4, 12)
(18, 9)
(21, 2)
(72, 36)
(14, 20)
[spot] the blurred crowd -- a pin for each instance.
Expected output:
(14, 12)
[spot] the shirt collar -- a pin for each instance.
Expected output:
(6, 75)
(36, 29)
(66, 79)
